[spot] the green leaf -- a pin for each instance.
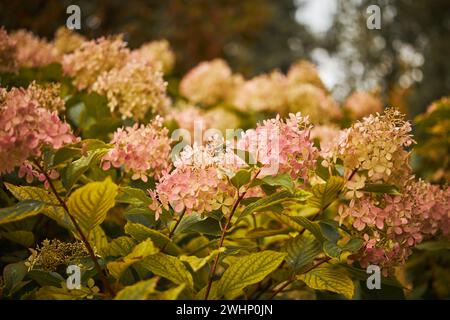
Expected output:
(309, 225)
(119, 247)
(21, 210)
(133, 196)
(266, 202)
(325, 193)
(329, 229)
(331, 249)
(138, 291)
(52, 209)
(13, 274)
(248, 270)
(284, 180)
(333, 280)
(139, 252)
(197, 263)
(140, 232)
(381, 188)
(169, 267)
(90, 203)
(46, 278)
(78, 167)
(98, 239)
(24, 238)
(65, 154)
(301, 251)
(354, 245)
(242, 177)
(171, 294)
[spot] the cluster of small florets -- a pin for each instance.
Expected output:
(47, 95)
(198, 183)
(262, 93)
(360, 104)
(93, 58)
(26, 127)
(282, 144)
(8, 62)
(157, 54)
(208, 83)
(376, 147)
(141, 150)
(313, 101)
(67, 41)
(32, 51)
(328, 137)
(304, 72)
(54, 253)
(133, 89)
(391, 225)
(190, 118)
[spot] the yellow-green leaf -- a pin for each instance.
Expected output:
(171, 294)
(301, 251)
(248, 270)
(197, 263)
(139, 252)
(140, 232)
(325, 193)
(98, 239)
(21, 210)
(168, 267)
(52, 209)
(330, 279)
(90, 203)
(119, 247)
(138, 291)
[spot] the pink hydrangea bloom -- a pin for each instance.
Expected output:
(142, 150)
(26, 127)
(392, 225)
(32, 51)
(376, 147)
(198, 183)
(282, 146)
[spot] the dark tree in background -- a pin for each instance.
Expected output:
(407, 58)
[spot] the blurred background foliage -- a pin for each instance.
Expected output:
(406, 61)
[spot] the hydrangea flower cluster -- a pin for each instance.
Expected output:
(26, 127)
(328, 136)
(67, 41)
(391, 225)
(208, 83)
(361, 104)
(47, 95)
(8, 62)
(285, 145)
(93, 58)
(141, 150)
(31, 51)
(262, 93)
(157, 54)
(53, 253)
(304, 72)
(314, 102)
(198, 182)
(189, 117)
(376, 146)
(133, 89)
